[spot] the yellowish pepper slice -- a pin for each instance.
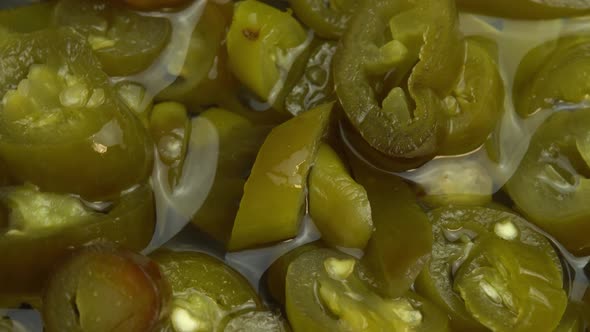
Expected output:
(274, 194)
(263, 43)
(338, 205)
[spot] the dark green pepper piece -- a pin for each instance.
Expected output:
(43, 227)
(328, 291)
(422, 93)
(460, 241)
(124, 42)
(394, 258)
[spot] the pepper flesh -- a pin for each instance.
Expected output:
(327, 18)
(460, 238)
(527, 9)
(56, 104)
(338, 205)
(278, 180)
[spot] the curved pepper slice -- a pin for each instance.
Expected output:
(274, 194)
(527, 9)
(104, 289)
(338, 205)
(508, 286)
(57, 104)
(496, 246)
(394, 258)
(124, 42)
(263, 44)
(551, 185)
(328, 19)
(43, 227)
(202, 75)
(328, 291)
(422, 92)
(239, 142)
(551, 73)
(208, 295)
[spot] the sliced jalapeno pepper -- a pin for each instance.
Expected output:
(394, 258)
(278, 180)
(56, 104)
(553, 72)
(124, 42)
(338, 205)
(43, 227)
(104, 289)
(551, 184)
(328, 291)
(239, 142)
(421, 93)
(208, 295)
(485, 258)
(263, 44)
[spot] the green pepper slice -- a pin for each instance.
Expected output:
(43, 227)
(239, 142)
(338, 205)
(508, 286)
(263, 43)
(463, 255)
(394, 258)
(278, 181)
(328, 291)
(551, 73)
(527, 9)
(27, 18)
(56, 104)
(555, 173)
(208, 295)
(104, 289)
(202, 78)
(124, 42)
(421, 93)
(328, 19)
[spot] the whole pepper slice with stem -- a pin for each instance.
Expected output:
(125, 42)
(102, 288)
(278, 181)
(328, 19)
(482, 255)
(394, 258)
(327, 290)
(422, 92)
(551, 185)
(57, 103)
(42, 227)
